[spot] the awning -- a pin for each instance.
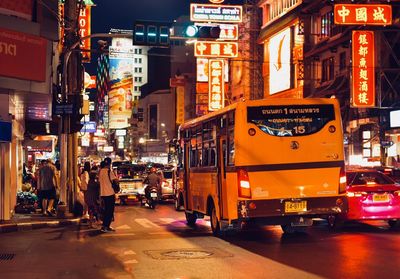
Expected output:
(38, 145)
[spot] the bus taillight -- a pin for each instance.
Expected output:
(342, 181)
(243, 184)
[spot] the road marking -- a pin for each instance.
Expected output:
(146, 223)
(131, 262)
(129, 252)
(123, 227)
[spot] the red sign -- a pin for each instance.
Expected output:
(84, 29)
(216, 98)
(215, 49)
(22, 55)
(363, 14)
(19, 8)
(363, 56)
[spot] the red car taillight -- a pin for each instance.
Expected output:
(243, 184)
(342, 181)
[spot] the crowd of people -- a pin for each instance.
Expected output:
(95, 192)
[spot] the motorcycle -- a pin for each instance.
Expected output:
(151, 197)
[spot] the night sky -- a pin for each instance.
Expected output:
(122, 13)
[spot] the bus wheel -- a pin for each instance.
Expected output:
(288, 228)
(191, 218)
(215, 224)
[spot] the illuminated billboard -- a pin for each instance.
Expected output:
(363, 70)
(121, 83)
(363, 14)
(280, 62)
(216, 49)
(216, 13)
(202, 70)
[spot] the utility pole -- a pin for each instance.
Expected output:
(71, 89)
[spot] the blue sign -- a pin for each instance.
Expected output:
(89, 127)
(5, 131)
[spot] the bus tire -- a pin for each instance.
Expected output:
(393, 223)
(191, 218)
(215, 224)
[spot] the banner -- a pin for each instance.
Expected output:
(22, 56)
(280, 61)
(180, 104)
(363, 54)
(216, 85)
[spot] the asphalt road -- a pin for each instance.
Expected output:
(158, 244)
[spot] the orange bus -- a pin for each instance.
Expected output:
(273, 161)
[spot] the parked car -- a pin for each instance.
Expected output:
(372, 195)
(130, 181)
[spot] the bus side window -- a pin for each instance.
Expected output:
(212, 157)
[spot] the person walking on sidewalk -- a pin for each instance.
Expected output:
(106, 176)
(84, 185)
(47, 185)
(92, 196)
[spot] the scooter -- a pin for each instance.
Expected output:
(151, 197)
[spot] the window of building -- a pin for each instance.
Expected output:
(275, 9)
(326, 24)
(328, 66)
(138, 51)
(138, 79)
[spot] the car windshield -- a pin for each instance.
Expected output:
(168, 174)
(368, 178)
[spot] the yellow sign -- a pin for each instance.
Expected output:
(180, 104)
(216, 84)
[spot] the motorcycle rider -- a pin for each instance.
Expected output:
(153, 181)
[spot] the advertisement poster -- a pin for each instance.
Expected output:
(22, 56)
(280, 59)
(120, 95)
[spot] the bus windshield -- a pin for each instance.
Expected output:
(291, 120)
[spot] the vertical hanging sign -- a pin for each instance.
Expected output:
(216, 84)
(363, 70)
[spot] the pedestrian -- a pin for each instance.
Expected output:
(92, 197)
(47, 187)
(106, 176)
(84, 184)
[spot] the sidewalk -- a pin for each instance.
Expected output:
(26, 222)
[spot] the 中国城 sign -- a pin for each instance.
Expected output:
(363, 14)
(363, 85)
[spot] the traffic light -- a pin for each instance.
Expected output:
(202, 32)
(151, 33)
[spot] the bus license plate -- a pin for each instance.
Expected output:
(380, 198)
(295, 206)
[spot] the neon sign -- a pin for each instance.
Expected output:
(363, 14)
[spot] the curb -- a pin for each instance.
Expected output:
(5, 228)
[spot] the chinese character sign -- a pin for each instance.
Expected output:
(216, 84)
(363, 54)
(216, 49)
(363, 14)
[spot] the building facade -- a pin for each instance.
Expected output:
(29, 34)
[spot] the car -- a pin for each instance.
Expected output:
(372, 195)
(130, 182)
(168, 182)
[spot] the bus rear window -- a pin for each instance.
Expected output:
(291, 120)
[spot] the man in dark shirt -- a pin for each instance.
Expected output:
(47, 184)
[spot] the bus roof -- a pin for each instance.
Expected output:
(258, 102)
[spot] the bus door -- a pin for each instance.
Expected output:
(221, 189)
(188, 203)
